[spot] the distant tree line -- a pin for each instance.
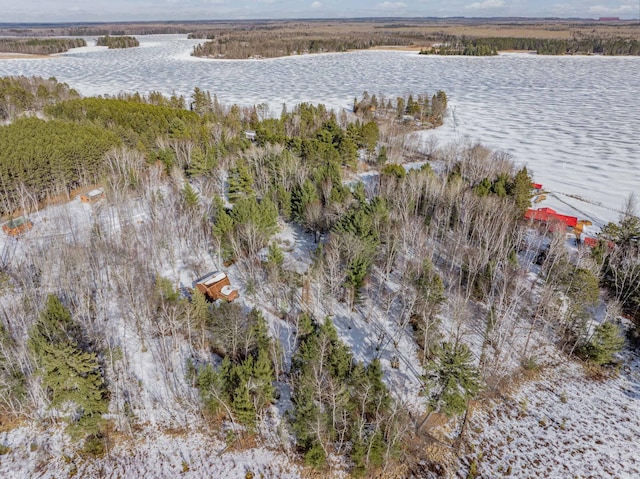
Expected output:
(265, 43)
(575, 46)
(40, 46)
(117, 41)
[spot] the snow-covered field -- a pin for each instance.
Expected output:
(572, 120)
(563, 426)
(47, 454)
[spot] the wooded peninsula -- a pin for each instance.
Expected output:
(40, 46)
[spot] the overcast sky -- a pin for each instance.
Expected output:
(124, 10)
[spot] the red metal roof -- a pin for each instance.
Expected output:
(590, 242)
(536, 186)
(548, 215)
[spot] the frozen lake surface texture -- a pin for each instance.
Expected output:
(572, 120)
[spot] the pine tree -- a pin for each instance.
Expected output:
(262, 381)
(72, 377)
(301, 198)
(520, 189)
(190, 196)
(380, 399)
(275, 255)
(209, 383)
(453, 378)
(200, 314)
(240, 183)
(243, 407)
(369, 136)
(356, 273)
(607, 340)
(260, 331)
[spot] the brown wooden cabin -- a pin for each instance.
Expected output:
(92, 196)
(216, 285)
(17, 226)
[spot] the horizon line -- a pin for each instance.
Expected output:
(320, 19)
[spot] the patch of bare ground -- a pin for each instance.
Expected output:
(409, 48)
(23, 56)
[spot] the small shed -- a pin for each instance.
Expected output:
(17, 226)
(216, 285)
(92, 196)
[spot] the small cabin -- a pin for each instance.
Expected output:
(17, 226)
(215, 286)
(92, 196)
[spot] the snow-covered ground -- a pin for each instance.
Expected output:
(47, 454)
(562, 425)
(571, 120)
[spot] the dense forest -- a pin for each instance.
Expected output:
(117, 41)
(400, 296)
(40, 46)
(576, 46)
(48, 158)
(20, 95)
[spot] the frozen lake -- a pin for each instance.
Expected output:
(572, 120)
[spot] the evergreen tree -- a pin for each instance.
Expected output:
(263, 390)
(211, 388)
(275, 255)
(453, 378)
(607, 340)
(356, 273)
(521, 190)
(240, 183)
(301, 198)
(190, 196)
(242, 404)
(369, 136)
(71, 376)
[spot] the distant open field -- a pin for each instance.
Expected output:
(276, 38)
(412, 30)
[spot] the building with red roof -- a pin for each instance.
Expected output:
(549, 215)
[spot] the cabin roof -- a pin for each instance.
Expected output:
(96, 192)
(227, 290)
(211, 278)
